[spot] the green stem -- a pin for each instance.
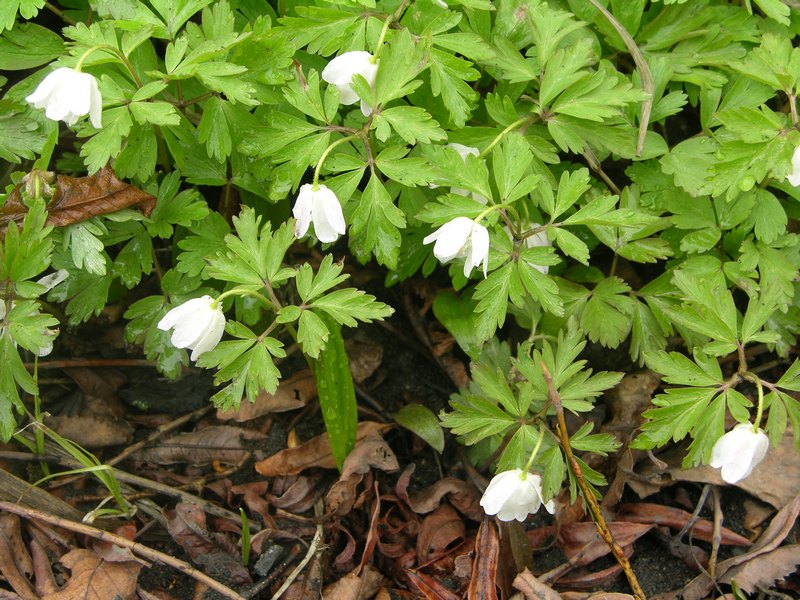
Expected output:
(242, 292)
(760, 410)
(321, 161)
(389, 20)
(38, 436)
(85, 55)
(535, 449)
(116, 52)
(515, 125)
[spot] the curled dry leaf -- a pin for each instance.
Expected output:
(223, 443)
(77, 199)
(582, 544)
(211, 551)
(484, 566)
(370, 452)
(96, 579)
(440, 531)
(533, 589)
(16, 565)
(314, 453)
(292, 393)
(356, 586)
(462, 495)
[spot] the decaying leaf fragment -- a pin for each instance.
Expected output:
(77, 199)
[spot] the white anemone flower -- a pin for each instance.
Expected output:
(794, 176)
(461, 238)
(341, 70)
(739, 451)
(321, 207)
(514, 495)
(197, 324)
(66, 95)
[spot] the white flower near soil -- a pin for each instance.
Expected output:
(514, 495)
(321, 207)
(461, 238)
(197, 324)
(341, 70)
(794, 176)
(66, 95)
(739, 451)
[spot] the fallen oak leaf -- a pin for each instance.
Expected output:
(77, 199)
(96, 579)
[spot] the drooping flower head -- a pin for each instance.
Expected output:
(341, 70)
(794, 175)
(514, 495)
(197, 324)
(321, 207)
(739, 451)
(461, 238)
(66, 95)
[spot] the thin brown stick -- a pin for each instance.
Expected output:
(312, 550)
(716, 535)
(591, 501)
(136, 547)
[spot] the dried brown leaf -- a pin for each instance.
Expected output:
(16, 565)
(482, 584)
(778, 529)
(223, 443)
(92, 431)
(316, 452)
(583, 545)
(464, 496)
(355, 586)
(430, 587)
(365, 358)
(77, 199)
(440, 531)
(533, 589)
(658, 514)
(211, 551)
(292, 393)
(766, 569)
(96, 579)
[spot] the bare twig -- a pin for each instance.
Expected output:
(716, 535)
(312, 550)
(136, 547)
(591, 501)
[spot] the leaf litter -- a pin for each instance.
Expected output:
(396, 525)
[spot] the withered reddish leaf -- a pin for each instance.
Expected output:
(430, 587)
(441, 530)
(658, 514)
(582, 543)
(316, 452)
(15, 563)
(533, 589)
(77, 199)
(482, 584)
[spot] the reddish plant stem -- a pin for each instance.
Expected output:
(591, 501)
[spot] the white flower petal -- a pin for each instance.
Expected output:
(341, 70)
(327, 215)
(451, 239)
(302, 210)
(738, 452)
(197, 324)
(511, 497)
(479, 242)
(66, 95)
(794, 176)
